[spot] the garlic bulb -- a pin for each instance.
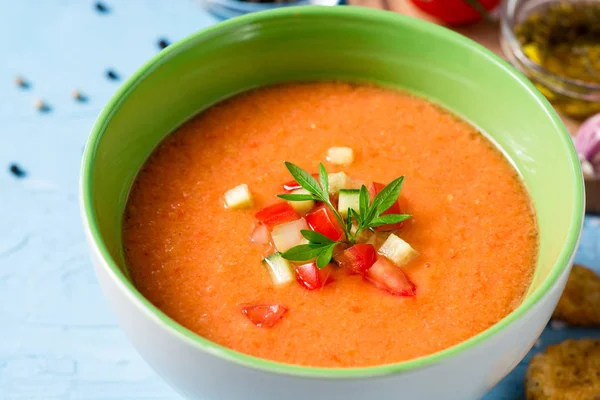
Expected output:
(587, 144)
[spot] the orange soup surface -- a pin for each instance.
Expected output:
(472, 224)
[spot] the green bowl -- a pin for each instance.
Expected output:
(325, 43)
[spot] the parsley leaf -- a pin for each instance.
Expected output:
(297, 197)
(325, 257)
(316, 237)
(388, 219)
(304, 252)
(387, 196)
(305, 180)
(324, 179)
(368, 215)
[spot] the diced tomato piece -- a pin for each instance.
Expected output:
(387, 276)
(311, 277)
(358, 258)
(264, 315)
(321, 219)
(394, 208)
(277, 214)
(261, 235)
(293, 185)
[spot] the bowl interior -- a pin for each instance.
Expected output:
(316, 43)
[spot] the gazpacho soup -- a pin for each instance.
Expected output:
(330, 224)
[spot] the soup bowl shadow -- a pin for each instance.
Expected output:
(323, 43)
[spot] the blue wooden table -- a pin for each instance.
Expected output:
(58, 340)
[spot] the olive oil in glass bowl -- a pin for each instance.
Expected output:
(556, 43)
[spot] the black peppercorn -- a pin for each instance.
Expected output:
(112, 75)
(163, 43)
(17, 171)
(101, 7)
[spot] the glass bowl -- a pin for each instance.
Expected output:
(573, 98)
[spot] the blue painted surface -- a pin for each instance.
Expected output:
(58, 340)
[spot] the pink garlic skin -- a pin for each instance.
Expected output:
(587, 141)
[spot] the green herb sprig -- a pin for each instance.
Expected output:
(319, 247)
(367, 217)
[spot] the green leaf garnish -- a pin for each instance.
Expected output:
(316, 237)
(310, 184)
(297, 197)
(349, 220)
(304, 252)
(323, 178)
(325, 257)
(387, 196)
(388, 219)
(305, 180)
(368, 216)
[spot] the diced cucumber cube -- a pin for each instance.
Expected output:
(349, 198)
(279, 268)
(337, 181)
(340, 155)
(397, 250)
(287, 235)
(238, 197)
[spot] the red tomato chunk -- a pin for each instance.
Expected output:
(387, 276)
(394, 208)
(277, 214)
(309, 276)
(322, 220)
(264, 315)
(358, 258)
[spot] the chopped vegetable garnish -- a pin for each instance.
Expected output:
(348, 199)
(397, 250)
(287, 235)
(238, 197)
(323, 220)
(264, 315)
(277, 214)
(279, 268)
(345, 232)
(302, 206)
(311, 277)
(260, 235)
(387, 276)
(340, 155)
(394, 208)
(338, 181)
(357, 259)
(326, 219)
(377, 239)
(319, 247)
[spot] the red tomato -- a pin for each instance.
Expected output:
(293, 185)
(264, 315)
(454, 12)
(358, 258)
(277, 214)
(321, 219)
(387, 276)
(394, 209)
(311, 277)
